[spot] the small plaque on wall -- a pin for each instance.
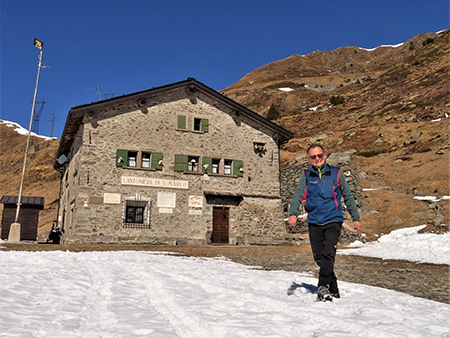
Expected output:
(195, 201)
(165, 210)
(195, 212)
(166, 199)
(110, 198)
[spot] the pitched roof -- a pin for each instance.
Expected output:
(76, 114)
(26, 200)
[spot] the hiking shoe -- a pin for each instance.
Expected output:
(323, 294)
(334, 292)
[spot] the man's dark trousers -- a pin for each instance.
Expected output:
(324, 239)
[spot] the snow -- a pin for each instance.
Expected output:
(431, 198)
(152, 294)
(286, 89)
(22, 131)
(406, 244)
(372, 49)
(393, 46)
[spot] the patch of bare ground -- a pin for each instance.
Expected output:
(390, 187)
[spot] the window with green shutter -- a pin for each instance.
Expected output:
(157, 161)
(121, 158)
(238, 168)
(207, 165)
(181, 163)
(204, 125)
(201, 125)
(181, 122)
(139, 159)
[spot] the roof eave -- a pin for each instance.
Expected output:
(76, 114)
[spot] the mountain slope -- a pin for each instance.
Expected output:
(40, 177)
(387, 106)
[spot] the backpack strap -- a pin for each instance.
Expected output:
(303, 198)
(339, 183)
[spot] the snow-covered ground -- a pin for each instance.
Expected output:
(22, 131)
(154, 294)
(406, 244)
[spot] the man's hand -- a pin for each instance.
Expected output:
(357, 225)
(292, 220)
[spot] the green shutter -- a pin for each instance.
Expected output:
(208, 162)
(181, 122)
(181, 162)
(121, 158)
(205, 125)
(156, 158)
(237, 166)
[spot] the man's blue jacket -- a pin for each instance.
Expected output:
(321, 188)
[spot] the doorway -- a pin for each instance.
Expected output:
(221, 225)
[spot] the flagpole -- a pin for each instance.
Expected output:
(38, 44)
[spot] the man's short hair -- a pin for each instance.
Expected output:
(314, 145)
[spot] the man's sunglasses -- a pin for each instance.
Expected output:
(313, 157)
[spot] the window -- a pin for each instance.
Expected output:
(136, 212)
(132, 156)
(227, 167)
(192, 163)
(234, 167)
(198, 124)
(215, 165)
(188, 163)
(139, 159)
(145, 162)
(209, 165)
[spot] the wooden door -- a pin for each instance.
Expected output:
(221, 224)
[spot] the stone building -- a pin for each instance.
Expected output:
(176, 164)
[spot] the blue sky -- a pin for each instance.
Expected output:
(125, 46)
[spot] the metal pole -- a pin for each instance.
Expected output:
(28, 139)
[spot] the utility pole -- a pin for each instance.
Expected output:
(34, 144)
(53, 123)
(14, 230)
(35, 128)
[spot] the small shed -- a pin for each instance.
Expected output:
(28, 215)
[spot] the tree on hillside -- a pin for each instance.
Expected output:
(273, 113)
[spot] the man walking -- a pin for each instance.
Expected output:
(321, 188)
